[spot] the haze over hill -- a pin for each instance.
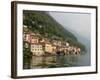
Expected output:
(78, 24)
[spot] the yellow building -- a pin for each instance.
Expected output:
(54, 49)
(48, 48)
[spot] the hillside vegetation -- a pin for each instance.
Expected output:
(48, 27)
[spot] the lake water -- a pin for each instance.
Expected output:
(59, 61)
(53, 61)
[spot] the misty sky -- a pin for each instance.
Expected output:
(76, 22)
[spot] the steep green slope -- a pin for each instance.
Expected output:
(44, 24)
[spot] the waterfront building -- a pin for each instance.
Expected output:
(48, 48)
(57, 43)
(37, 49)
(67, 44)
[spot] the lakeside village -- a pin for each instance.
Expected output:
(42, 46)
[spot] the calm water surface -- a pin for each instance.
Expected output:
(59, 61)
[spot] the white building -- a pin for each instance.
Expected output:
(57, 43)
(67, 44)
(37, 49)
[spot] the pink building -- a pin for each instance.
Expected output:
(30, 37)
(34, 39)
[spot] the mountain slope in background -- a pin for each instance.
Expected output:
(48, 27)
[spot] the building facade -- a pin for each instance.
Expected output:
(37, 49)
(48, 48)
(34, 39)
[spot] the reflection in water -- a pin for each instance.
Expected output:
(53, 61)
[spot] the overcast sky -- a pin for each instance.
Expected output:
(77, 22)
